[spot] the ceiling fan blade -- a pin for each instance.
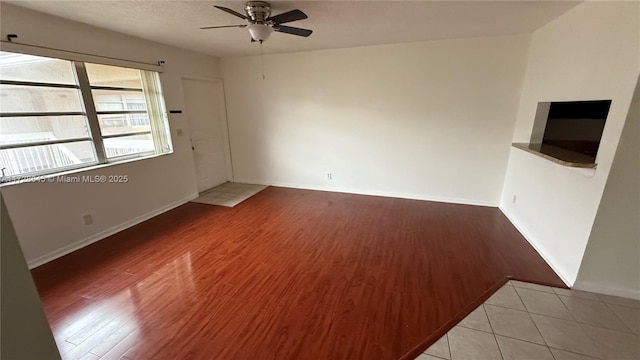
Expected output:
(292, 30)
(289, 16)
(223, 26)
(230, 11)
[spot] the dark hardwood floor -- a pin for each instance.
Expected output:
(288, 274)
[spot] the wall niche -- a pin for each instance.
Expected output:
(568, 132)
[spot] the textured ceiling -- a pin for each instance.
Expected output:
(336, 24)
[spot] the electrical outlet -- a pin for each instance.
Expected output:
(179, 132)
(514, 199)
(88, 219)
(329, 176)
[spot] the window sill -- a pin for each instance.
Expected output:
(54, 177)
(558, 155)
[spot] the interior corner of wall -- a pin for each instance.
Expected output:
(568, 277)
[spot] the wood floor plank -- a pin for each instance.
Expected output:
(117, 352)
(107, 343)
(288, 274)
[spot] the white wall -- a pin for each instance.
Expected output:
(611, 262)
(430, 120)
(591, 52)
(48, 217)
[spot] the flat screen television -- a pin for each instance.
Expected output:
(576, 126)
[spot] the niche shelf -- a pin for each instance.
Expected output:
(558, 155)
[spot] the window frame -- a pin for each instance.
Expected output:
(90, 112)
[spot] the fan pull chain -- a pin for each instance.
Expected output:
(262, 59)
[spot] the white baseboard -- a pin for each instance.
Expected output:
(105, 233)
(372, 193)
(537, 248)
(607, 290)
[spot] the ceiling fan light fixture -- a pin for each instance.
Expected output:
(262, 24)
(260, 32)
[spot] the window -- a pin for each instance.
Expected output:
(57, 115)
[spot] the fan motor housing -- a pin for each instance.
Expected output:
(258, 11)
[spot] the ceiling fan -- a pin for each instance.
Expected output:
(260, 22)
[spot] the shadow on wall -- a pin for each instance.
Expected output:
(611, 263)
(26, 332)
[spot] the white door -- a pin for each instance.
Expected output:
(204, 102)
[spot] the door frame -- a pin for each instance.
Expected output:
(222, 109)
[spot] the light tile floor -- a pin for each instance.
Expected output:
(229, 194)
(529, 321)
